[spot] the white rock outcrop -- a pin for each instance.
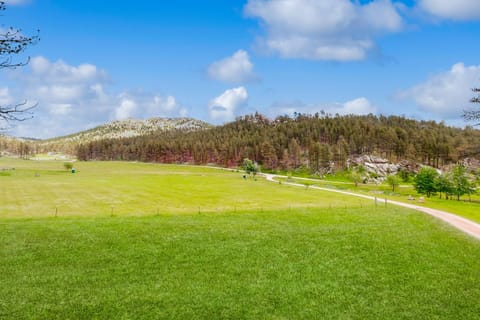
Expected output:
(377, 168)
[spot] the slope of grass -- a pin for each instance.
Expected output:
(254, 250)
(44, 188)
(301, 264)
(464, 208)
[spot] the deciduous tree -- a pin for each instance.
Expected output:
(460, 183)
(393, 181)
(250, 167)
(443, 183)
(424, 182)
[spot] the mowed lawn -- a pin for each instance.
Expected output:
(295, 254)
(44, 188)
(464, 207)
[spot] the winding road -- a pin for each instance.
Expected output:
(465, 225)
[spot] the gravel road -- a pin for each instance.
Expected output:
(458, 222)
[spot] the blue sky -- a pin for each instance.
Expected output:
(99, 61)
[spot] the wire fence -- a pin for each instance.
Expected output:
(104, 210)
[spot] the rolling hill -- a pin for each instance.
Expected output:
(118, 130)
(132, 128)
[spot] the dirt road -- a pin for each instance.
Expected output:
(460, 223)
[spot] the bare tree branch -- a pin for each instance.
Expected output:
(477, 98)
(473, 115)
(12, 42)
(17, 112)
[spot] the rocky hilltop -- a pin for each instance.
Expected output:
(133, 128)
(114, 130)
(120, 129)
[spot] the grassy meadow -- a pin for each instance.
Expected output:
(464, 207)
(45, 188)
(254, 250)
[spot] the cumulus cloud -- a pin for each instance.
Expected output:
(59, 109)
(73, 98)
(234, 69)
(5, 97)
(454, 10)
(340, 30)
(60, 72)
(358, 106)
(126, 109)
(60, 83)
(223, 107)
(139, 104)
(446, 94)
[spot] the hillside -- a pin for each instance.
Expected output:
(131, 128)
(17, 146)
(114, 130)
(307, 142)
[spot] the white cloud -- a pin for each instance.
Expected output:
(126, 109)
(60, 109)
(59, 83)
(5, 97)
(139, 104)
(446, 94)
(74, 98)
(223, 107)
(164, 105)
(359, 106)
(452, 9)
(340, 30)
(234, 69)
(60, 72)
(356, 106)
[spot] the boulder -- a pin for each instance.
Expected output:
(377, 168)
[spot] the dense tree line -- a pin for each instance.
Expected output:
(310, 141)
(18, 147)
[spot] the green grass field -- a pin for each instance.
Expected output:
(43, 188)
(255, 250)
(464, 208)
